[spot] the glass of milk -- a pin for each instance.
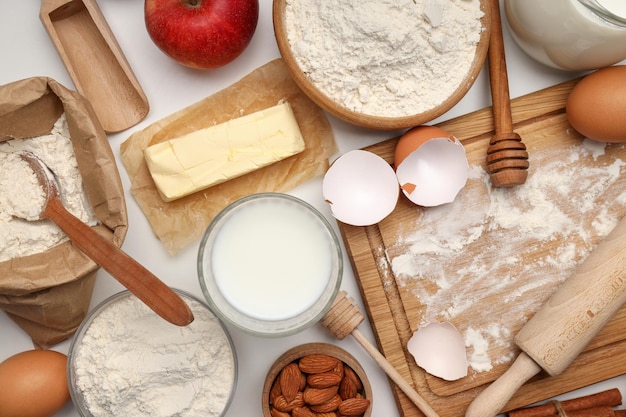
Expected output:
(270, 264)
(571, 35)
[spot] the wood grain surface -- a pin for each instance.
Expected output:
(95, 62)
(396, 304)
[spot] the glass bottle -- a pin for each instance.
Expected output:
(571, 35)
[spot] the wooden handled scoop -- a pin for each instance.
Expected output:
(95, 62)
(507, 158)
(342, 319)
(565, 324)
(141, 282)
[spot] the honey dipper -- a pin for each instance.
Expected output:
(342, 319)
(507, 158)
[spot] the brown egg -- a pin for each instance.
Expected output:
(596, 106)
(414, 138)
(33, 384)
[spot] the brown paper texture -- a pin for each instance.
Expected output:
(48, 294)
(182, 221)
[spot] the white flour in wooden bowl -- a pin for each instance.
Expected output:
(21, 194)
(387, 58)
(522, 242)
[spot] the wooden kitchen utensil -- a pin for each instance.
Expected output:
(507, 158)
(95, 62)
(137, 279)
(342, 319)
(565, 324)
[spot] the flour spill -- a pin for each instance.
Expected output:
(489, 260)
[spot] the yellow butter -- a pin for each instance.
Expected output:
(210, 156)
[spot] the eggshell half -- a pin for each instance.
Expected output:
(414, 138)
(361, 188)
(439, 349)
(33, 384)
(596, 106)
(435, 172)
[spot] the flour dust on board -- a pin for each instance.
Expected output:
(490, 259)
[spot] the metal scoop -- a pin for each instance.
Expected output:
(141, 282)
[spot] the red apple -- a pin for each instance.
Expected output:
(202, 34)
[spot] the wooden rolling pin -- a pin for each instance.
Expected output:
(507, 158)
(565, 324)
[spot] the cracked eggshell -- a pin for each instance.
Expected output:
(431, 166)
(439, 349)
(361, 188)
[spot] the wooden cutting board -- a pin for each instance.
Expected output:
(489, 260)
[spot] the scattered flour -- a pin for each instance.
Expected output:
(21, 196)
(573, 196)
(389, 58)
(478, 340)
(132, 363)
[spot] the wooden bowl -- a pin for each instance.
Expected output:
(296, 353)
(372, 121)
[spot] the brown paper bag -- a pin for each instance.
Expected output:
(180, 222)
(48, 294)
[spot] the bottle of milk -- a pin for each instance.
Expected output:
(571, 35)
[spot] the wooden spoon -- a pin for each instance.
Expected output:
(95, 62)
(141, 282)
(507, 158)
(342, 319)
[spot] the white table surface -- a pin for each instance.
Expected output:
(26, 51)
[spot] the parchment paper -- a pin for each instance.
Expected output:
(182, 221)
(48, 294)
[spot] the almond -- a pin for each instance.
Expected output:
(275, 390)
(274, 412)
(328, 406)
(323, 380)
(353, 406)
(317, 363)
(302, 381)
(282, 404)
(347, 388)
(316, 396)
(349, 372)
(329, 414)
(298, 401)
(302, 412)
(290, 380)
(338, 369)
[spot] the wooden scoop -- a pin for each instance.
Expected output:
(95, 62)
(342, 319)
(507, 158)
(141, 282)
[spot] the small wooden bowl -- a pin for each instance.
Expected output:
(371, 121)
(300, 351)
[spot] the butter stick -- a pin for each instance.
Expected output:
(210, 156)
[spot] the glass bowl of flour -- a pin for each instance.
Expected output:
(383, 64)
(126, 361)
